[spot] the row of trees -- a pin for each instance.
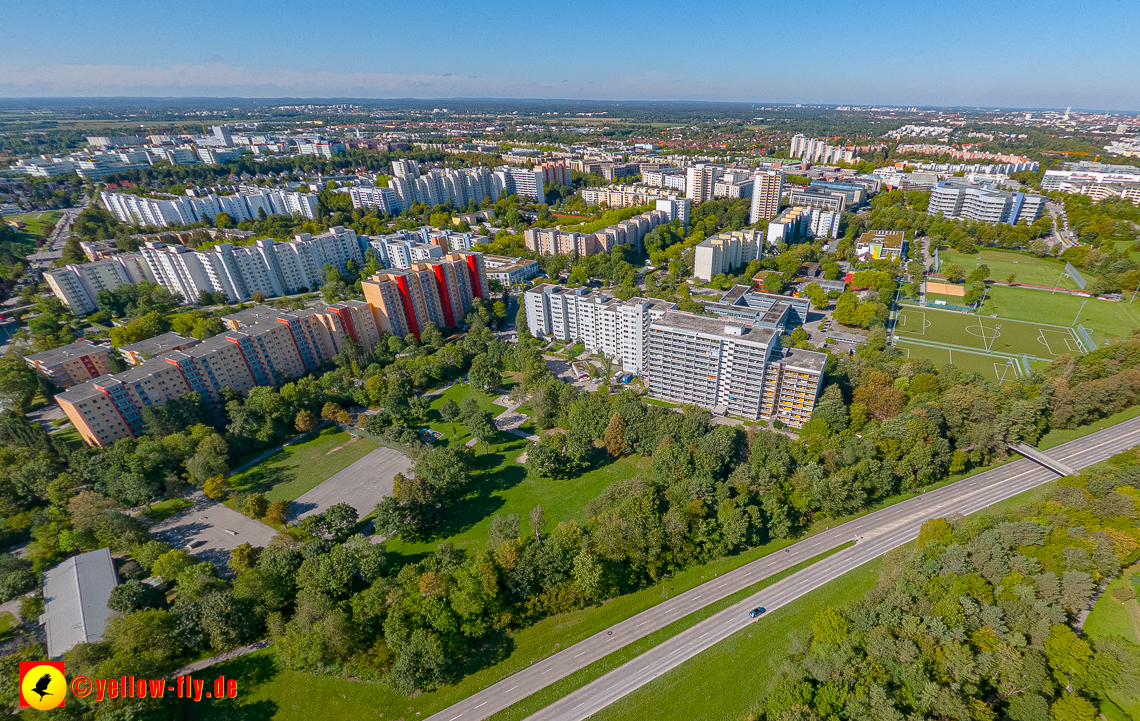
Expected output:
(977, 621)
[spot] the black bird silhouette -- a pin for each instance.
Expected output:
(42, 686)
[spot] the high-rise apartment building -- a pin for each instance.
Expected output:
(72, 364)
(814, 196)
(617, 329)
(677, 208)
(726, 252)
(267, 267)
(732, 367)
(767, 187)
(184, 210)
(554, 241)
(260, 346)
(964, 200)
(77, 285)
(439, 291)
(700, 181)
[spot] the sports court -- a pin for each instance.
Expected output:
(999, 348)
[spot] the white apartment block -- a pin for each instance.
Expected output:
(964, 200)
(700, 181)
(676, 207)
(668, 178)
(617, 329)
(726, 252)
(817, 150)
(767, 187)
(77, 286)
(184, 210)
(267, 267)
(731, 368)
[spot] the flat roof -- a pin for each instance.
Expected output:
(75, 600)
(806, 359)
(159, 344)
(55, 356)
(713, 326)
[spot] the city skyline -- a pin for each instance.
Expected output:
(830, 53)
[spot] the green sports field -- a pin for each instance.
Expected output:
(1000, 349)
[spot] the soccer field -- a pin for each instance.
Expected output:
(998, 348)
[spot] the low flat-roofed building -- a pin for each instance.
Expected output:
(881, 244)
(768, 310)
(72, 364)
(75, 600)
(135, 353)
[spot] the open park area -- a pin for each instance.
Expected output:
(1026, 269)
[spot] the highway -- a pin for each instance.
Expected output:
(874, 535)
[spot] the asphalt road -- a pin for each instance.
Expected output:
(875, 534)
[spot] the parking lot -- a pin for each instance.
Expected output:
(362, 485)
(213, 528)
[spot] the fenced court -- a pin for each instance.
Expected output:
(999, 348)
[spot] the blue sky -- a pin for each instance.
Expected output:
(1016, 54)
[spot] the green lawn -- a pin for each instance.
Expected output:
(71, 435)
(38, 224)
(299, 468)
(1107, 320)
(1111, 617)
(1028, 269)
(165, 509)
(8, 621)
(1058, 436)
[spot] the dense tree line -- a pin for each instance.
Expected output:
(976, 621)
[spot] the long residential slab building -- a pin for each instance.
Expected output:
(731, 364)
(261, 346)
(184, 209)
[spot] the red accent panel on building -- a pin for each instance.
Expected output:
(473, 269)
(241, 352)
(409, 309)
(444, 295)
(116, 407)
(346, 321)
(89, 366)
(293, 336)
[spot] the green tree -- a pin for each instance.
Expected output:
(614, 437)
(255, 505)
(484, 373)
(954, 273)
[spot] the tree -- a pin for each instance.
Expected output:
(255, 505)
(1073, 707)
(89, 509)
(243, 558)
(449, 412)
(305, 421)
(482, 426)
(954, 273)
(133, 595)
(484, 373)
(278, 513)
(215, 487)
(340, 519)
(330, 411)
(19, 384)
(614, 436)
(979, 274)
(170, 565)
(211, 458)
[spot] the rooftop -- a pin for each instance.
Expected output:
(713, 326)
(75, 600)
(806, 359)
(159, 344)
(55, 356)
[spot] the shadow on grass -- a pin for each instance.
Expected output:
(249, 672)
(262, 478)
(494, 473)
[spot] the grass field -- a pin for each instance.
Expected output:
(1027, 268)
(38, 224)
(165, 509)
(1111, 617)
(299, 468)
(1107, 320)
(962, 339)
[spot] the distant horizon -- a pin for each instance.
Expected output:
(889, 52)
(335, 99)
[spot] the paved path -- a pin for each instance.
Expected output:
(223, 656)
(876, 532)
(362, 485)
